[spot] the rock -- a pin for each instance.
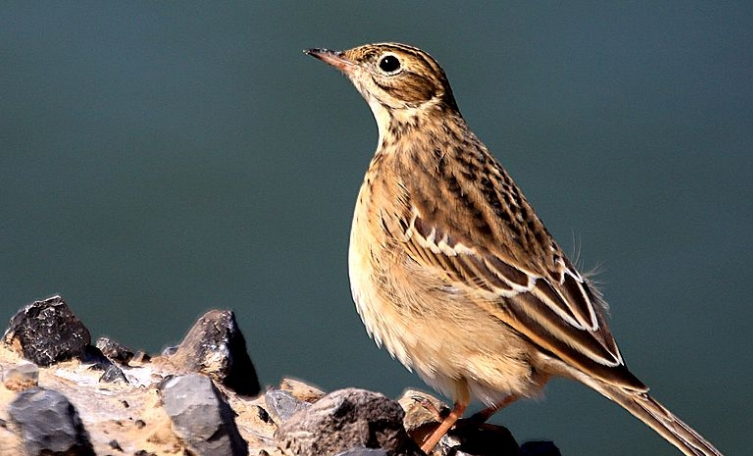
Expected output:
(215, 346)
(257, 418)
(140, 358)
(155, 413)
(301, 390)
(539, 448)
(282, 404)
(201, 418)
(47, 332)
(471, 439)
(115, 445)
(346, 420)
(93, 355)
(21, 377)
(48, 424)
(113, 374)
(364, 452)
(169, 351)
(114, 351)
(424, 412)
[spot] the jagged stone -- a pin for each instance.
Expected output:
(132, 417)
(114, 351)
(215, 346)
(282, 404)
(113, 374)
(364, 452)
(539, 448)
(471, 439)
(140, 358)
(48, 424)
(345, 420)
(424, 412)
(201, 418)
(46, 332)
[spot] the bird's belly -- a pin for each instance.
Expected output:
(436, 329)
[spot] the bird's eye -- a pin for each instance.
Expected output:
(389, 64)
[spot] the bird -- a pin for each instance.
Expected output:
(452, 271)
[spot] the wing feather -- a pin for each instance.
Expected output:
(559, 312)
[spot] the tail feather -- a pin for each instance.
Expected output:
(656, 416)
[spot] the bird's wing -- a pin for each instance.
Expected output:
(558, 311)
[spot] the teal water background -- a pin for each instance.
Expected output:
(158, 159)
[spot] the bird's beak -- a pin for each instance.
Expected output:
(335, 58)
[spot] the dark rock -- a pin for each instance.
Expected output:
(468, 438)
(144, 453)
(113, 374)
(48, 424)
(539, 448)
(364, 452)
(215, 346)
(21, 377)
(140, 358)
(346, 420)
(201, 418)
(97, 360)
(115, 351)
(282, 404)
(100, 366)
(47, 332)
(93, 355)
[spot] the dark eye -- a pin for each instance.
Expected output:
(389, 64)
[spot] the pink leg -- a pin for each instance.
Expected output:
(444, 426)
(484, 415)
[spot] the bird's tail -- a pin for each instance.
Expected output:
(651, 412)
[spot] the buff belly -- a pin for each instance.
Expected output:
(424, 323)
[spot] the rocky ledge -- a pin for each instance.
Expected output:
(61, 395)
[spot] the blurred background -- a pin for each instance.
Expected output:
(158, 159)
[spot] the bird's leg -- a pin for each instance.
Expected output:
(484, 415)
(444, 426)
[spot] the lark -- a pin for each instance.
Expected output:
(452, 270)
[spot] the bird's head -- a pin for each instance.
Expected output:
(392, 76)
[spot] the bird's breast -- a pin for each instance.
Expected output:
(421, 318)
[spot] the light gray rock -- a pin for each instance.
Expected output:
(364, 452)
(201, 418)
(282, 404)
